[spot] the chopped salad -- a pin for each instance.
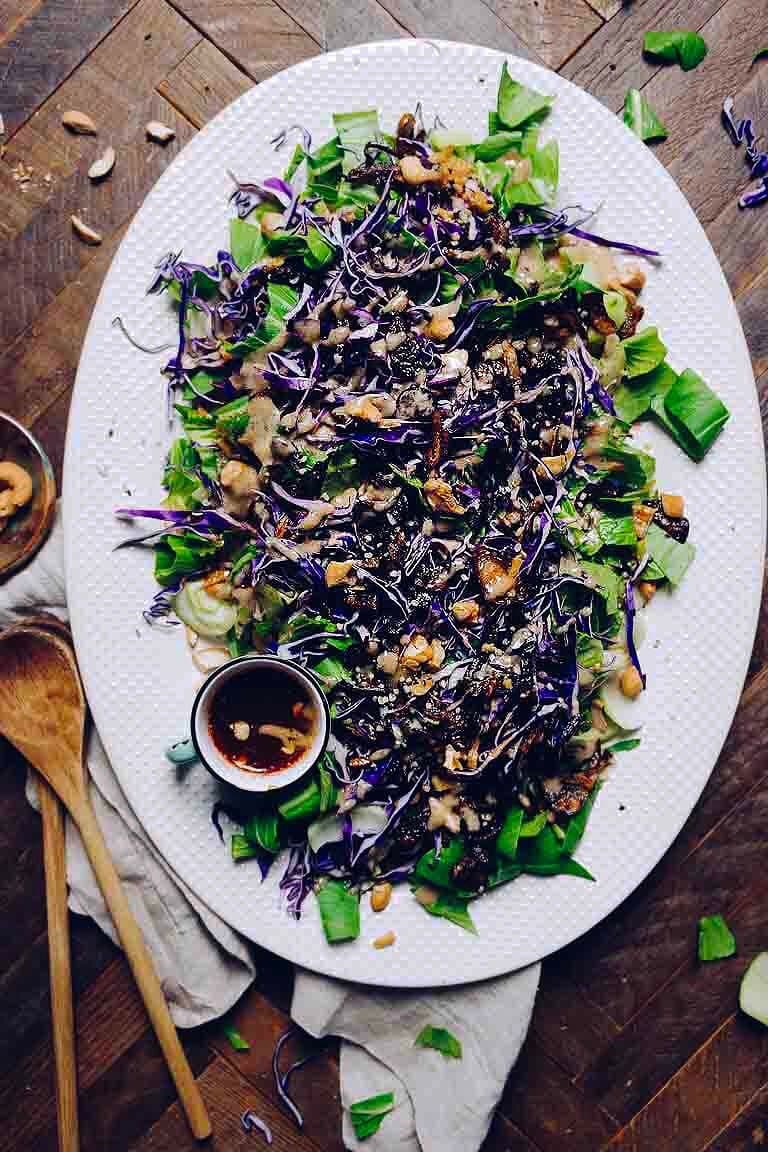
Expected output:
(406, 392)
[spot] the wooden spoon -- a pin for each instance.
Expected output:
(62, 1013)
(43, 713)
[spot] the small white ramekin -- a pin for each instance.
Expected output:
(223, 768)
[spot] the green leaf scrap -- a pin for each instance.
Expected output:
(515, 103)
(633, 398)
(339, 911)
(367, 1115)
(263, 830)
(441, 1040)
(238, 1042)
(669, 556)
(644, 351)
(678, 44)
(354, 130)
(695, 414)
(716, 941)
(641, 119)
(246, 243)
(451, 907)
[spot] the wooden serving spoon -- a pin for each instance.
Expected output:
(42, 712)
(62, 1013)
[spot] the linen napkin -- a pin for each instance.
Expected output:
(441, 1105)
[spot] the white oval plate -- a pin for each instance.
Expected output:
(141, 683)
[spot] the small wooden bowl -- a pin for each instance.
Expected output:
(25, 532)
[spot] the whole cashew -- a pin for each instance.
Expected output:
(15, 487)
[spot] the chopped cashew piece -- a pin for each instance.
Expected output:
(385, 941)
(388, 662)
(642, 515)
(647, 589)
(673, 505)
(418, 651)
(438, 654)
(452, 759)
(439, 328)
(241, 478)
(630, 682)
(413, 171)
(497, 576)
(338, 572)
(442, 814)
(217, 584)
(381, 894)
(555, 465)
(263, 421)
(466, 611)
(630, 280)
(363, 408)
(440, 496)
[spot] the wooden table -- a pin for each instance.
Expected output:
(633, 1043)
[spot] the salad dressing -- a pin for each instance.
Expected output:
(262, 721)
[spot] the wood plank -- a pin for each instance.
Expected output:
(605, 8)
(569, 1026)
(24, 990)
(261, 1023)
(681, 1017)
(259, 37)
(457, 20)
(740, 239)
(116, 80)
(726, 175)
(752, 306)
(612, 60)
(51, 429)
(722, 842)
(22, 887)
(39, 262)
(333, 24)
(12, 15)
(705, 1095)
(203, 83)
(40, 366)
(129, 1097)
(503, 1136)
(227, 1095)
(553, 29)
(748, 1130)
(110, 1018)
(691, 101)
(541, 1100)
(46, 47)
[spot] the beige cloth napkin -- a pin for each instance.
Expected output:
(442, 1105)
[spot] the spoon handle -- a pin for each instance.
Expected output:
(62, 1014)
(142, 967)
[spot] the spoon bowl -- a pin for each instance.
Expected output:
(42, 707)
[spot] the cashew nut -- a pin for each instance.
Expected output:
(15, 488)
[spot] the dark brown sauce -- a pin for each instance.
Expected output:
(262, 696)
